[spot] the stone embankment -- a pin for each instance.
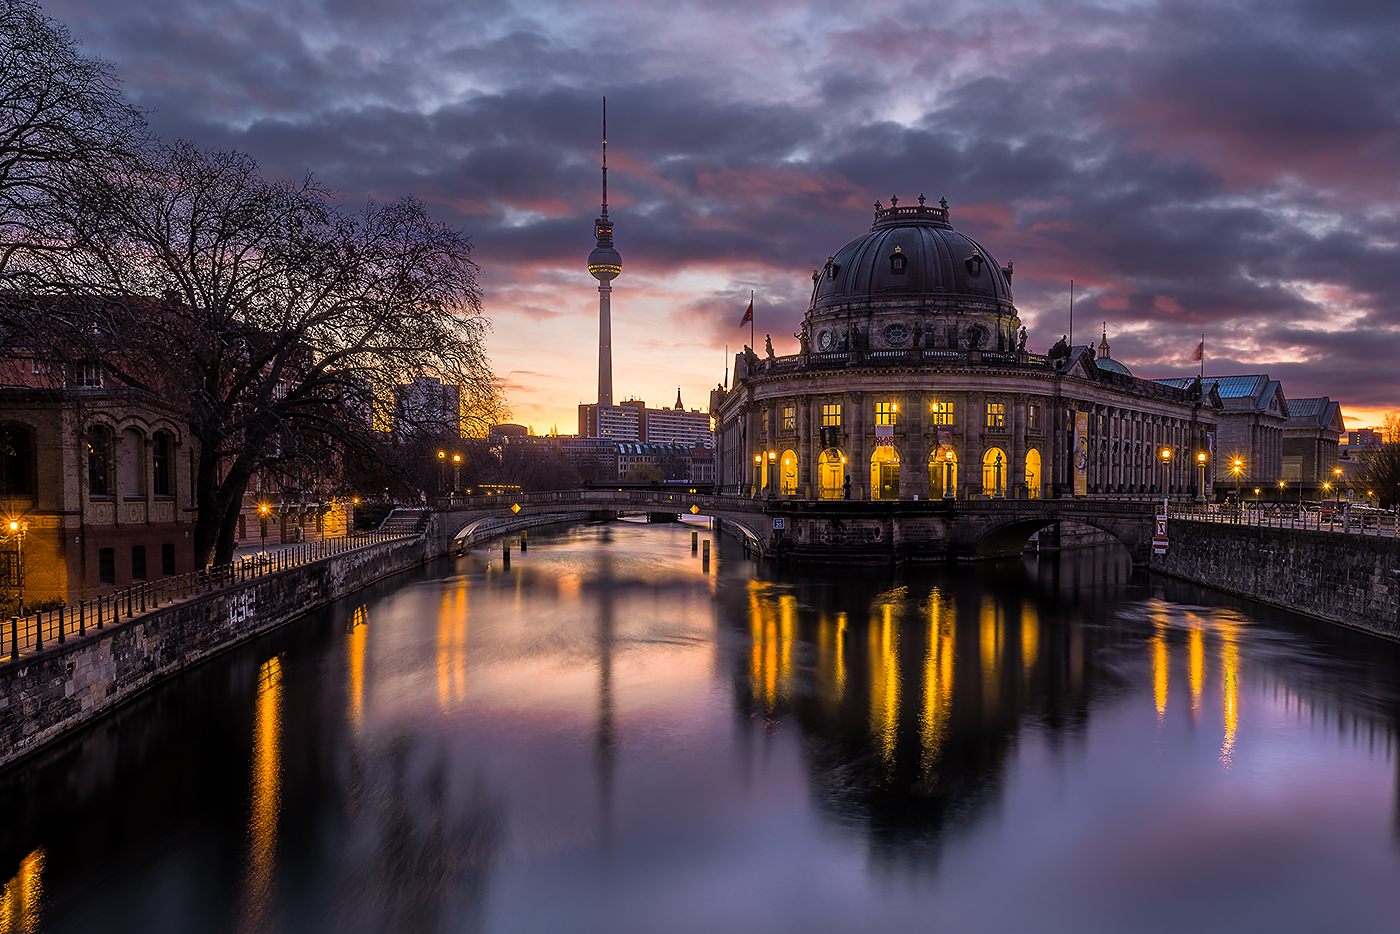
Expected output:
(1352, 579)
(48, 694)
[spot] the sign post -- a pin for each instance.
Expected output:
(1159, 537)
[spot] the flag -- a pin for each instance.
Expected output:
(748, 315)
(1199, 352)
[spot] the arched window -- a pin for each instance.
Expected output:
(789, 473)
(99, 452)
(831, 474)
(162, 456)
(943, 474)
(994, 464)
(1033, 474)
(16, 461)
(884, 473)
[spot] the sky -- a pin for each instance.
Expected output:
(1219, 168)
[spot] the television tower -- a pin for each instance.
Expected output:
(605, 264)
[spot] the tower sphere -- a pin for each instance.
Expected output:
(605, 263)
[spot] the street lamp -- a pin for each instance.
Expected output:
(1201, 489)
(17, 529)
(1236, 466)
(262, 524)
(456, 473)
(1166, 455)
(948, 459)
(1337, 472)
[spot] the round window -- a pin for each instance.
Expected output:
(825, 340)
(896, 334)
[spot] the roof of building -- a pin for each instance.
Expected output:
(1317, 412)
(633, 448)
(910, 250)
(1254, 392)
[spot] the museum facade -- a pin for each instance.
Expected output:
(913, 381)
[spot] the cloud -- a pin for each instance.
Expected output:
(1194, 166)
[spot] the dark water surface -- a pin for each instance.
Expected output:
(604, 738)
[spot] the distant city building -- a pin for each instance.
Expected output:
(673, 460)
(677, 426)
(595, 459)
(613, 422)
(509, 431)
(427, 407)
(1364, 438)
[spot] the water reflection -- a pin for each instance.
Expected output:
(20, 900)
(605, 739)
(259, 878)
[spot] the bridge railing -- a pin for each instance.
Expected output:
(1343, 521)
(27, 634)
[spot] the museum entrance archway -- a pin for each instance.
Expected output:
(884, 473)
(831, 474)
(788, 473)
(943, 474)
(1033, 474)
(994, 466)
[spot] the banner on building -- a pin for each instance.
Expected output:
(1081, 454)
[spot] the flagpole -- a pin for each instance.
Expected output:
(752, 342)
(1203, 356)
(1071, 312)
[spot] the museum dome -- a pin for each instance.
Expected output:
(912, 257)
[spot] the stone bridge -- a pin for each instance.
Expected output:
(813, 531)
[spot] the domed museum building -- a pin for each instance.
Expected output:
(913, 381)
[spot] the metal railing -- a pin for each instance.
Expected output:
(1343, 521)
(33, 633)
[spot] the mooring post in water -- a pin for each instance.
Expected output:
(694, 541)
(524, 545)
(705, 560)
(505, 556)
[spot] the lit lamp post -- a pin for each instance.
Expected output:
(998, 495)
(1337, 472)
(456, 474)
(17, 529)
(262, 524)
(1236, 467)
(442, 470)
(948, 459)
(1201, 489)
(757, 474)
(1166, 455)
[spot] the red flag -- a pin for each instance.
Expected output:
(748, 315)
(1199, 352)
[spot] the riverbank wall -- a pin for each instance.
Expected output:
(47, 695)
(1349, 579)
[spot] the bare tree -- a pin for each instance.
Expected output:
(1380, 467)
(61, 115)
(282, 322)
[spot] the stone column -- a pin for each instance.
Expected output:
(858, 463)
(807, 449)
(970, 458)
(913, 470)
(1016, 476)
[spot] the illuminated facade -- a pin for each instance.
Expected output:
(912, 381)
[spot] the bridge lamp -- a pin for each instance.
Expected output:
(1236, 466)
(17, 529)
(1201, 489)
(948, 458)
(1166, 455)
(263, 510)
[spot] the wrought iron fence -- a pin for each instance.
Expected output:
(1346, 520)
(30, 634)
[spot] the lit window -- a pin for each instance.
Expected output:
(1033, 417)
(942, 413)
(789, 418)
(831, 415)
(996, 414)
(764, 418)
(886, 413)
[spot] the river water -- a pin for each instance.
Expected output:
(608, 736)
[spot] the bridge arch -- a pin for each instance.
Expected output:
(1009, 539)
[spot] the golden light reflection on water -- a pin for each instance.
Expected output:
(831, 657)
(884, 682)
(938, 682)
(1196, 652)
(1030, 639)
(772, 630)
(452, 647)
(260, 874)
(992, 633)
(1229, 689)
(355, 646)
(21, 897)
(1161, 664)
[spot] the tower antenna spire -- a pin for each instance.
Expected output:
(605, 157)
(605, 264)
